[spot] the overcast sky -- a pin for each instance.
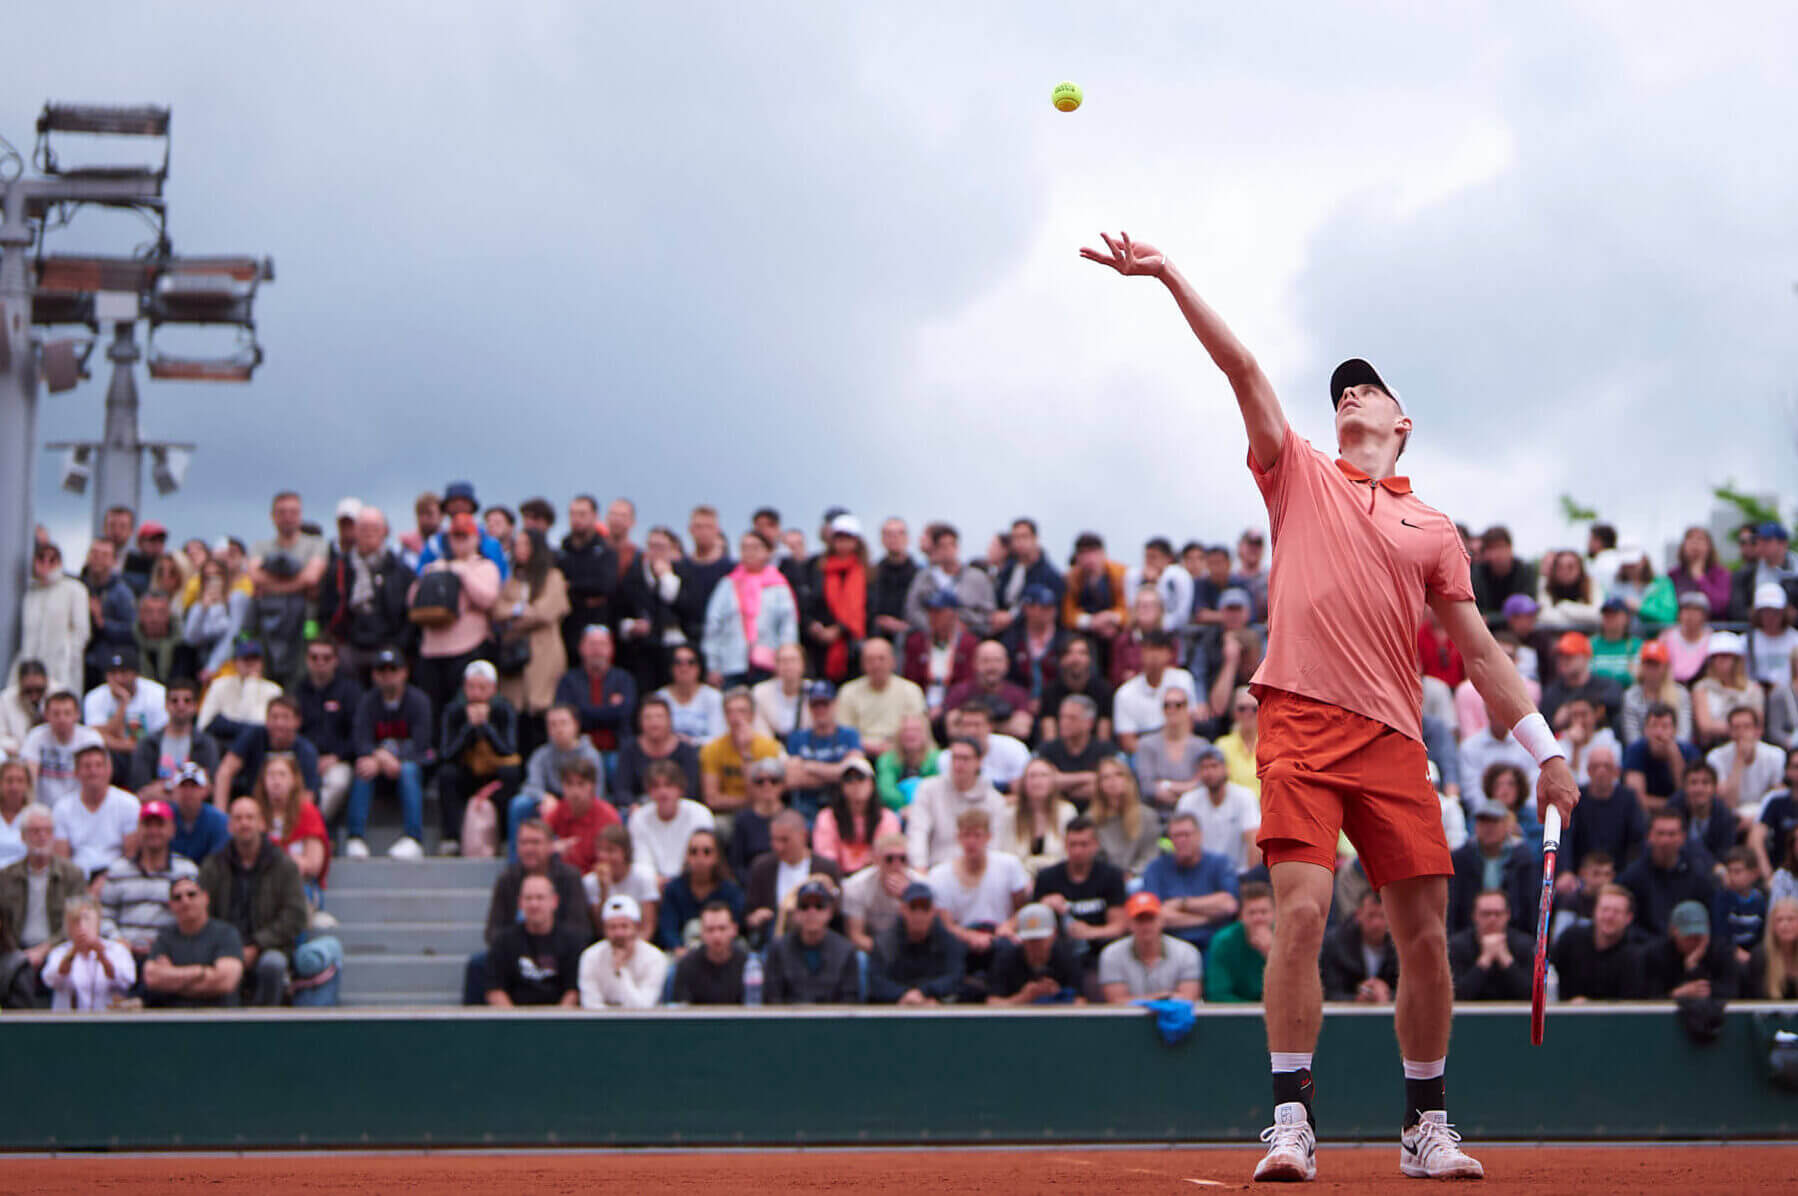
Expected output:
(817, 254)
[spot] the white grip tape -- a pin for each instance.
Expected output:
(1551, 829)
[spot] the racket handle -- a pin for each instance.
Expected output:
(1551, 829)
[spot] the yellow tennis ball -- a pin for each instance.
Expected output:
(1066, 97)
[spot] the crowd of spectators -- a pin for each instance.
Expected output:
(854, 774)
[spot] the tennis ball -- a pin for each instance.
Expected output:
(1066, 97)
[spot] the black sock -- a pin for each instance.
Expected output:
(1422, 1096)
(1295, 1086)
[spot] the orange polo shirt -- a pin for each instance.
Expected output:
(1353, 560)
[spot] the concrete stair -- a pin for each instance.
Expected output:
(408, 926)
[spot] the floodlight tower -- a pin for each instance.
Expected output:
(103, 294)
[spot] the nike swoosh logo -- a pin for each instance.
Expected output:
(1408, 523)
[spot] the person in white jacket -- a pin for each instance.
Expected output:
(57, 621)
(622, 971)
(940, 800)
(86, 971)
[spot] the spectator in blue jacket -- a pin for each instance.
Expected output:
(459, 497)
(606, 697)
(111, 608)
(1197, 888)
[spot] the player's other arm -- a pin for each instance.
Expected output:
(1499, 683)
(1261, 413)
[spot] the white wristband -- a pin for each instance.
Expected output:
(1533, 733)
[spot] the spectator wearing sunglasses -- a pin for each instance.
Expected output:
(22, 706)
(812, 964)
(197, 962)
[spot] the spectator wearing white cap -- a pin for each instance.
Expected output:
(622, 971)
(837, 605)
(1041, 968)
(1771, 639)
(477, 750)
(1724, 686)
(1688, 641)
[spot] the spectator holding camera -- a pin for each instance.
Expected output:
(87, 970)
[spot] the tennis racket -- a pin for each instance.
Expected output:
(1551, 848)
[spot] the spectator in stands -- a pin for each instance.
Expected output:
(1582, 733)
(478, 750)
(1129, 832)
(459, 499)
(1498, 574)
(904, 766)
(328, 697)
(1228, 815)
(621, 971)
(1033, 828)
(1747, 768)
(1490, 860)
(1035, 641)
(751, 613)
(876, 703)
(87, 970)
(215, 618)
(124, 708)
(1238, 956)
(33, 894)
(1608, 818)
(1148, 964)
(916, 960)
(393, 744)
(1567, 595)
(112, 611)
(362, 601)
(294, 824)
(285, 571)
(578, 816)
(427, 512)
(661, 827)
(160, 754)
(700, 572)
(1687, 962)
(50, 748)
(1167, 761)
(1147, 613)
(940, 800)
(543, 773)
(1238, 746)
(280, 732)
(237, 701)
(655, 741)
(1782, 711)
(1699, 571)
(705, 877)
(780, 707)
(201, 827)
(1085, 891)
(1094, 599)
(1724, 686)
(751, 828)
(1172, 584)
(1668, 872)
(945, 572)
(1025, 568)
(1002, 758)
(1784, 883)
(616, 871)
(812, 964)
(1509, 786)
(536, 960)
(15, 796)
(778, 873)
(1688, 642)
(445, 652)
(940, 656)
(816, 755)
(1520, 613)
(161, 653)
(1251, 572)
(1136, 706)
(1197, 888)
(1614, 649)
(536, 858)
(1074, 674)
(1074, 754)
(1041, 968)
(500, 523)
(1709, 823)
(697, 709)
(1494, 745)
(892, 581)
(198, 960)
(848, 825)
(1772, 973)
(836, 611)
(722, 761)
(1655, 686)
(1238, 654)
(1740, 910)
(606, 697)
(1008, 705)
(97, 823)
(712, 975)
(1491, 959)
(1360, 962)
(55, 618)
(872, 898)
(1574, 678)
(256, 888)
(1768, 837)
(1655, 765)
(528, 619)
(979, 891)
(22, 707)
(591, 570)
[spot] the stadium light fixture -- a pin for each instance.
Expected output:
(168, 466)
(77, 467)
(210, 290)
(236, 367)
(102, 120)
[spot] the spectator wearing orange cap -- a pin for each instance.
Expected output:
(1149, 964)
(1574, 677)
(1655, 686)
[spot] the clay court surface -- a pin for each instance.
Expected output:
(1682, 1169)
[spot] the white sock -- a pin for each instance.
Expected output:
(1428, 1070)
(1297, 1061)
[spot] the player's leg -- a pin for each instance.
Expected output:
(1417, 910)
(1293, 993)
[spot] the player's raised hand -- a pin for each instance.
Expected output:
(1127, 256)
(1556, 787)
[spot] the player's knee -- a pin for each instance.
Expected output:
(1300, 920)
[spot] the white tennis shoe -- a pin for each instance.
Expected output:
(1291, 1146)
(1431, 1149)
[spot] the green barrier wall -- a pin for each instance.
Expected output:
(839, 1077)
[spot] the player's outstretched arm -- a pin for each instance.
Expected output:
(1497, 680)
(1261, 412)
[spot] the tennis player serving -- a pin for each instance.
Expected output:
(1356, 555)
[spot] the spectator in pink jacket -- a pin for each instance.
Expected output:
(848, 826)
(447, 650)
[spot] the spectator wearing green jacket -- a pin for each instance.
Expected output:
(1238, 954)
(911, 758)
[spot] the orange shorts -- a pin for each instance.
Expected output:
(1324, 769)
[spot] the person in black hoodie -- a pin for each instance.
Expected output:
(590, 567)
(1492, 960)
(712, 975)
(478, 747)
(1486, 858)
(1672, 870)
(328, 697)
(916, 961)
(648, 622)
(891, 581)
(1688, 962)
(536, 857)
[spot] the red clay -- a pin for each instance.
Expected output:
(1682, 1169)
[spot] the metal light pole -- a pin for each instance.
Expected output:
(18, 413)
(118, 474)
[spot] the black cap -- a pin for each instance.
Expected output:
(388, 657)
(1357, 372)
(122, 657)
